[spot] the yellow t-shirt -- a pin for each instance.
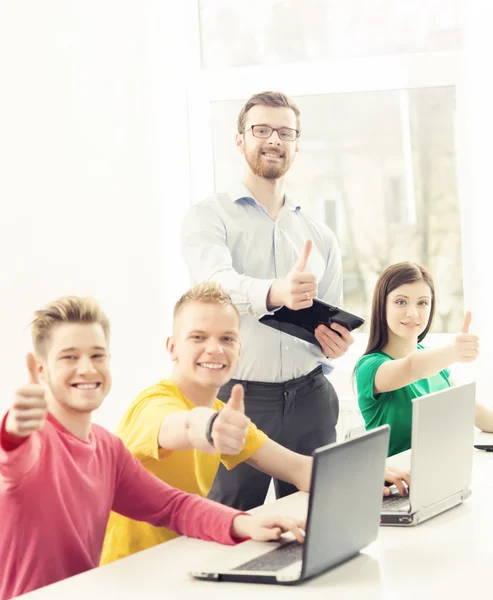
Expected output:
(188, 470)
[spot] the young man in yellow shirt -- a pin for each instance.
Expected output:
(181, 432)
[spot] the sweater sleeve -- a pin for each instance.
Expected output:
(140, 495)
(18, 456)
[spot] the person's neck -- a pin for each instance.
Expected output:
(268, 192)
(196, 393)
(79, 424)
(400, 348)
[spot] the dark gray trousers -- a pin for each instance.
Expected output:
(300, 414)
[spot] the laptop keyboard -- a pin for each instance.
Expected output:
(276, 559)
(396, 502)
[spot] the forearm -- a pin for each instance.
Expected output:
(18, 455)
(186, 430)
(208, 258)
(141, 496)
(395, 374)
(249, 294)
(299, 476)
(8, 440)
(191, 515)
(484, 418)
(426, 363)
(283, 464)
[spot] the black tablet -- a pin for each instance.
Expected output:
(302, 323)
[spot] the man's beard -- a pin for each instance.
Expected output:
(262, 168)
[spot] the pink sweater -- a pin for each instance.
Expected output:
(57, 491)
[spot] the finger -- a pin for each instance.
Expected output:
(471, 353)
(329, 348)
(31, 367)
(302, 261)
(301, 302)
(232, 435)
(30, 415)
(472, 345)
(26, 427)
(298, 532)
(467, 322)
(289, 525)
(340, 329)
(386, 491)
(303, 281)
(25, 404)
(234, 424)
(266, 533)
(332, 337)
(28, 393)
(236, 400)
(468, 344)
(394, 478)
(299, 295)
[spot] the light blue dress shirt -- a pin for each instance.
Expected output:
(232, 239)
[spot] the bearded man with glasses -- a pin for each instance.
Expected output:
(267, 252)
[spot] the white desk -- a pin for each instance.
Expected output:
(447, 557)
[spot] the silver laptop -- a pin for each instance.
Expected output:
(343, 517)
(440, 457)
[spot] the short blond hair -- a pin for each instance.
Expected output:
(68, 309)
(207, 292)
(274, 99)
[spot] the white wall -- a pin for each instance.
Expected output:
(93, 163)
(475, 125)
(94, 174)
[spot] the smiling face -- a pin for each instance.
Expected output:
(75, 367)
(408, 310)
(205, 345)
(269, 158)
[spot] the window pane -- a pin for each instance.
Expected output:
(280, 31)
(379, 169)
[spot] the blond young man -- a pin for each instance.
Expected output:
(181, 432)
(60, 475)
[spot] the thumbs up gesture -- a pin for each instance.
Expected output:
(298, 288)
(466, 344)
(28, 411)
(230, 427)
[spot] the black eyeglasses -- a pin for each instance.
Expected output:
(286, 134)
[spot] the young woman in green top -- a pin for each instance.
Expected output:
(395, 367)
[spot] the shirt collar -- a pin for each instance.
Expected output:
(238, 191)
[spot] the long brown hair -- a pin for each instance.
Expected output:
(392, 278)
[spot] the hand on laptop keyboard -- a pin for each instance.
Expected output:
(401, 480)
(264, 529)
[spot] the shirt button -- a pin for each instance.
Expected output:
(286, 347)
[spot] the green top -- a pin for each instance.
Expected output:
(393, 408)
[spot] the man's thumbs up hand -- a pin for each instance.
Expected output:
(298, 288)
(231, 426)
(29, 408)
(466, 344)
